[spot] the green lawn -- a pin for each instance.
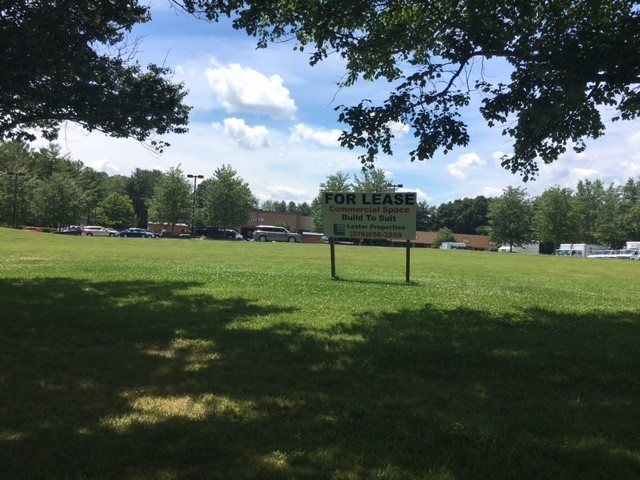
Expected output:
(184, 359)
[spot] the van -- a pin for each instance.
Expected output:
(270, 233)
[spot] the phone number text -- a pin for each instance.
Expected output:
(374, 234)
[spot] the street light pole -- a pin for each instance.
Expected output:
(15, 194)
(193, 220)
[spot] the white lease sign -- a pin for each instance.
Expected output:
(362, 215)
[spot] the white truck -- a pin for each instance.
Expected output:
(453, 246)
(578, 249)
(632, 246)
(533, 248)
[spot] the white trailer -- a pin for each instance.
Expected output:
(532, 248)
(578, 249)
(632, 246)
(453, 246)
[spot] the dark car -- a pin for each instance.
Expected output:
(136, 233)
(211, 232)
(376, 242)
(69, 231)
(218, 233)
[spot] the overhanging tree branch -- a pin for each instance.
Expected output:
(73, 76)
(558, 50)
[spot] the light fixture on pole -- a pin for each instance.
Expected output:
(193, 221)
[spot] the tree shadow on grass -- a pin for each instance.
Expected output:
(140, 380)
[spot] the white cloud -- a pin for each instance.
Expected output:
(398, 129)
(631, 169)
(186, 70)
(279, 192)
(465, 162)
(249, 138)
(422, 196)
(634, 140)
(327, 138)
(497, 156)
(492, 192)
(239, 89)
(104, 165)
(584, 174)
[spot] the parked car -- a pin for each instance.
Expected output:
(97, 231)
(605, 254)
(233, 235)
(137, 233)
(72, 230)
(269, 233)
(212, 232)
(385, 242)
(629, 254)
(219, 233)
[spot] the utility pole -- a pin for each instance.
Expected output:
(193, 220)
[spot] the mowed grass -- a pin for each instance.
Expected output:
(185, 359)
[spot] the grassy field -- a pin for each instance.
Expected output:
(184, 359)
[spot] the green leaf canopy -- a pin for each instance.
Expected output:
(566, 60)
(71, 61)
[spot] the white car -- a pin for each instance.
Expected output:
(604, 254)
(233, 235)
(629, 254)
(97, 231)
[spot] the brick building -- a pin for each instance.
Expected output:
(473, 242)
(297, 223)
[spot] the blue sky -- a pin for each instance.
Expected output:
(271, 116)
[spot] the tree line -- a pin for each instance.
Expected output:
(282, 206)
(592, 213)
(45, 188)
